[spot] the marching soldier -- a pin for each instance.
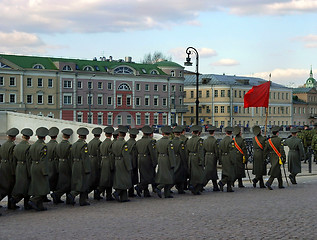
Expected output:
(22, 171)
(147, 161)
(184, 139)
(259, 163)
(227, 159)
(115, 135)
(134, 159)
(180, 170)
(80, 169)
(211, 153)
(39, 186)
(166, 163)
(52, 164)
(107, 165)
(195, 152)
(295, 155)
(63, 152)
(241, 158)
(275, 150)
(95, 160)
(122, 180)
(7, 167)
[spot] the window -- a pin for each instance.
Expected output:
(173, 88)
(109, 119)
(235, 93)
(191, 109)
(124, 87)
(180, 88)
(128, 100)
(200, 110)
(191, 94)
(90, 117)
(180, 74)
(216, 109)
(79, 85)
(147, 87)
(119, 119)
(207, 109)
(109, 86)
(119, 100)
(164, 120)
(137, 101)
(89, 85)
(180, 100)
(129, 119)
(38, 66)
(155, 101)
(109, 100)
(228, 109)
(156, 119)
(138, 119)
(164, 88)
(1, 97)
(67, 84)
(99, 85)
(67, 99)
(222, 109)
(79, 100)
(155, 87)
(172, 73)
(286, 96)
(1, 81)
(164, 102)
(50, 99)
(29, 99)
(88, 68)
(207, 94)
(89, 99)
(147, 119)
(40, 99)
(67, 68)
(216, 123)
(228, 93)
(240, 95)
(40, 82)
(154, 72)
(100, 119)
(222, 93)
(12, 81)
(50, 83)
(147, 101)
(216, 93)
(138, 87)
(29, 82)
(123, 70)
(99, 99)
(200, 94)
(79, 117)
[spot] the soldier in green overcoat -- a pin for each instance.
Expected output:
(7, 166)
(122, 180)
(275, 150)
(22, 171)
(147, 161)
(134, 159)
(95, 161)
(107, 164)
(308, 135)
(241, 155)
(52, 158)
(39, 186)
(211, 153)
(180, 170)
(80, 169)
(166, 163)
(184, 139)
(227, 159)
(259, 163)
(295, 155)
(195, 154)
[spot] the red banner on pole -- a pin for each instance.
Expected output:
(258, 96)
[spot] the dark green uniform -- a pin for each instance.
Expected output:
(240, 159)
(195, 153)
(259, 163)
(95, 160)
(52, 164)
(227, 159)
(186, 183)
(134, 161)
(166, 163)
(180, 170)
(308, 135)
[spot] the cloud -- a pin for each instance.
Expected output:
(309, 40)
(226, 62)
(180, 53)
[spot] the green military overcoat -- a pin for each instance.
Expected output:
(227, 157)
(239, 165)
(195, 152)
(107, 164)
(63, 151)
(259, 163)
(295, 155)
(211, 153)
(52, 164)
(134, 160)
(180, 170)
(95, 161)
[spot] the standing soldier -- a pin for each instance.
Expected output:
(211, 151)
(107, 165)
(308, 137)
(134, 159)
(227, 159)
(95, 160)
(22, 172)
(147, 161)
(7, 167)
(39, 186)
(115, 135)
(259, 163)
(180, 170)
(184, 139)
(122, 171)
(166, 163)
(275, 150)
(195, 152)
(80, 168)
(52, 164)
(63, 152)
(241, 158)
(295, 155)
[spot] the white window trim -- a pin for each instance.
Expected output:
(108, 99)
(38, 83)
(52, 99)
(147, 97)
(48, 80)
(136, 119)
(4, 97)
(110, 114)
(81, 100)
(92, 99)
(71, 84)
(71, 98)
(40, 94)
(100, 95)
(119, 96)
(15, 82)
(15, 97)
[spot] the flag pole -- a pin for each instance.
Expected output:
(266, 110)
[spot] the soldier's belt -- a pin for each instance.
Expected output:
(163, 154)
(21, 162)
(4, 161)
(76, 159)
(209, 153)
(142, 155)
(36, 161)
(293, 150)
(118, 158)
(192, 154)
(62, 160)
(176, 155)
(224, 154)
(92, 156)
(105, 157)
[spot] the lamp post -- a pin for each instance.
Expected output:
(89, 97)
(189, 51)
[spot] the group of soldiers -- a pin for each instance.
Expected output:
(117, 169)
(309, 139)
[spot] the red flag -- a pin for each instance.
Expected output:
(258, 96)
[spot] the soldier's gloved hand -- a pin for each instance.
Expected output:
(244, 160)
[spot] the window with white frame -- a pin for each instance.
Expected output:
(79, 85)
(79, 100)
(173, 73)
(155, 87)
(38, 66)
(164, 119)
(147, 100)
(79, 117)
(109, 100)
(50, 99)
(88, 68)
(100, 99)
(99, 85)
(90, 85)
(2, 97)
(67, 84)
(12, 81)
(128, 100)
(180, 100)
(29, 82)
(29, 99)
(124, 87)
(164, 88)
(138, 119)
(147, 119)
(109, 119)
(137, 101)
(164, 102)
(67, 99)
(100, 119)
(40, 82)
(156, 119)
(138, 87)
(50, 115)
(90, 117)
(109, 85)
(119, 119)
(155, 101)
(119, 100)
(180, 88)
(50, 83)
(40, 99)
(129, 120)
(67, 68)
(180, 74)
(12, 98)
(90, 99)
(147, 88)
(123, 70)
(1, 81)
(173, 88)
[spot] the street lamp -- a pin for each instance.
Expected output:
(89, 97)
(188, 62)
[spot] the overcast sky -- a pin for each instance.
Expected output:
(241, 37)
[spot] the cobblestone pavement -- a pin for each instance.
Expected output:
(247, 213)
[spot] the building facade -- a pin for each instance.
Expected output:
(104, 92)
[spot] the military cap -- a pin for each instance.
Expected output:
(294, 130)
(82, 131)
(42, 132)
(27, 132)
(147, 129)
(166, 129)
(178, 129)
(275, 129)
(97, 131)
(229, 129)
(236, 130)
(67, 131)
(53, 131)
(211, 128)
(134, 131)
(108, 130)
(122, 129)
(13, 132)
(116, 132)
(196, 128)
(256, 130)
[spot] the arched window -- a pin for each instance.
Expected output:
(123, 70)
(38, 66)
(67, 68)
(154, 72)
(88, 68)
(124, 87)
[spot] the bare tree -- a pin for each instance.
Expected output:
(155, 57)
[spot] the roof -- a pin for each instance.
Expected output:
(214, 79)
(166, 63)
(303, 90)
